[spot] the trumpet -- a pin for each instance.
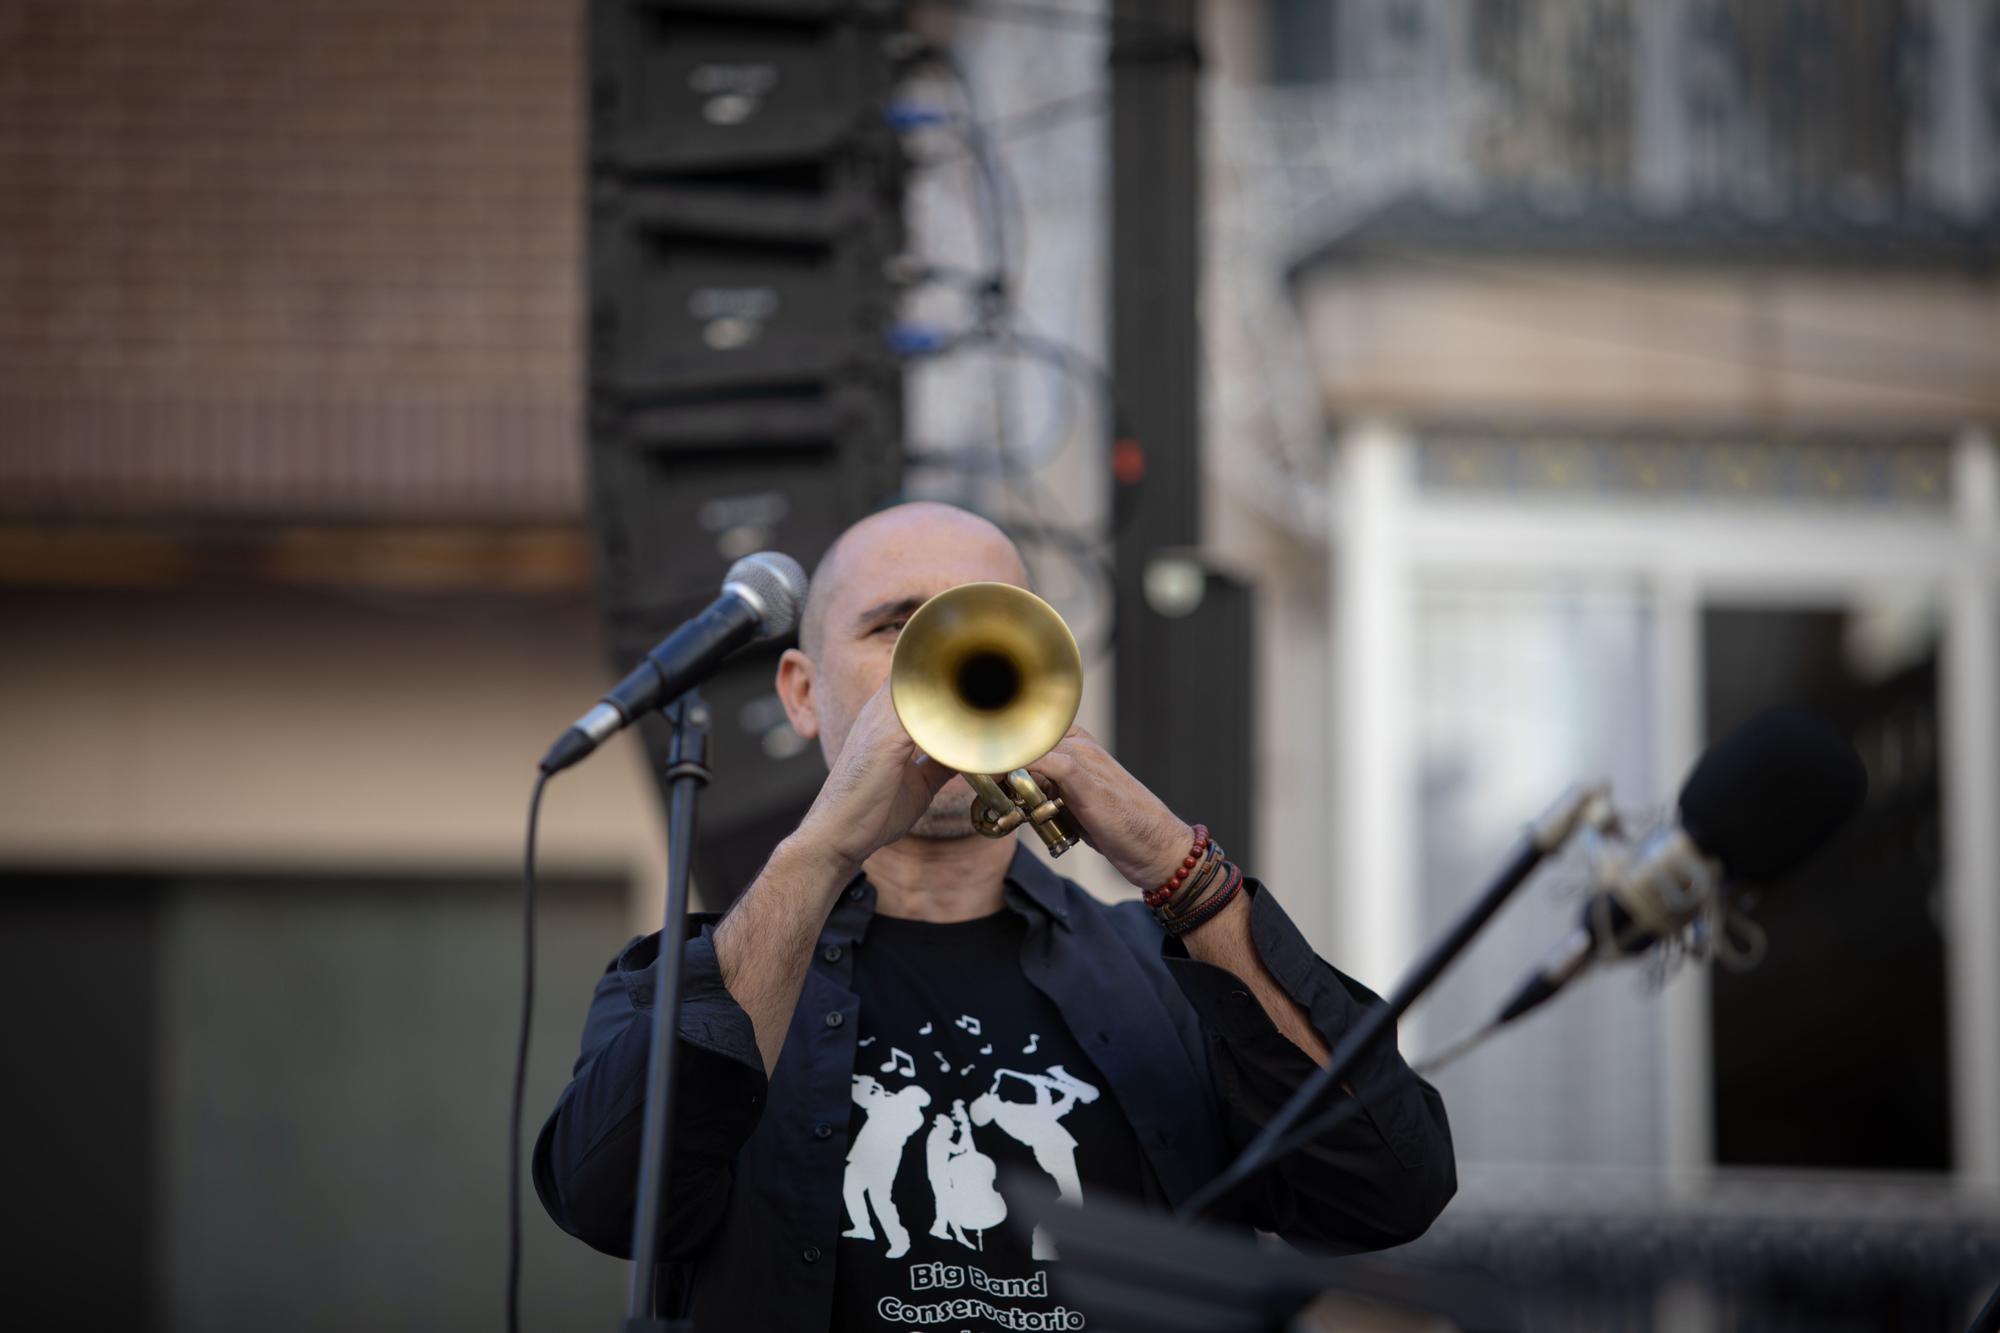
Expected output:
(986, 678)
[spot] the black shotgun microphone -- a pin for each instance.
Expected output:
(1758, 804)
(762, 598)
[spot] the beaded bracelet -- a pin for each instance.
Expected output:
(1208, 911)
(1156, 896)
(1193, 889)
(1205, 876)
(1183, 904)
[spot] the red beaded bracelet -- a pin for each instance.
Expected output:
(1154, 897)
(1160, 893)
(1164, 896)
(1196, 886)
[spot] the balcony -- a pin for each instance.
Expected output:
(1861, 109)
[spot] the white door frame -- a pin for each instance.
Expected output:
(1687, 556)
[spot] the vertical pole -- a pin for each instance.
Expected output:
(1971, 762)
(1687, 1046)
(686, 774)
(1155, 270)
(1373, 835)
(1688, 1122)
(1183, 631)
(1961, 142)
(1662, 147)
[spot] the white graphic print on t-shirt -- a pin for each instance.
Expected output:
(964, 1202)
(961, 1182)
(893, 1118)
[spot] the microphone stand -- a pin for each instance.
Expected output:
(1988, 1318)
(1589, 806)
(687, 773)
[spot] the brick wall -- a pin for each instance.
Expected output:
(290, 258)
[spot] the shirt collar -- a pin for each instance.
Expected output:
(1031, 885)
(1034, 878)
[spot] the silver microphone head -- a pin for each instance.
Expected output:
(775, 585)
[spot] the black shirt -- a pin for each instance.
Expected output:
(754, 1209)
(963, 1072)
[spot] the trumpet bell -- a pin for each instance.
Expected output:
(986, 678)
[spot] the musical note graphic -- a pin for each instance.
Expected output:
(963, 1072)
(987, 1049)
(944, 1065)
(900, 1062)
(865, 1041)
(1034, 1040)
(969, 1023)
(924, 1031)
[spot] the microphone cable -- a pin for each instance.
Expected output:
(1620, 946)
(1332, 1117)
(521, 1059)
(1454, 1051)
(1457, 1050)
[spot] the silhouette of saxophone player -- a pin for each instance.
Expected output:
(1037, 1126)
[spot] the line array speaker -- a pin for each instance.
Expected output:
(744, 201)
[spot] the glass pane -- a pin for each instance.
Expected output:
(1525, 688)
(1832, 1051)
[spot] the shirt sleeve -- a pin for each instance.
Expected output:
(586, 1159)
(1380, 1176)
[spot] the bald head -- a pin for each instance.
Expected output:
(867, 585)
(898, 554)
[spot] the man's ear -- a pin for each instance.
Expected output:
(795, 687)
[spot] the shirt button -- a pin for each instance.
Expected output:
(854, 894)
(822, 1131)
(831, 953)
(1239, 995)
(834, 1018)
(810, 1254)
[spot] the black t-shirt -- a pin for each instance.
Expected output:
(963, 1071)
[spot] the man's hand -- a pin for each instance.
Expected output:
(1137, 833)
(871, 798)
(1130, 826)
(879, 785)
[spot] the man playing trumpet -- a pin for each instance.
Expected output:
(884, 940)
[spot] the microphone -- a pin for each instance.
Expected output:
(1756, 806)
(762, 598)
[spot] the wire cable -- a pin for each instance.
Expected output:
(1054, 114)
(521, 1060)
(997, 326)
(998, 320)
(1306, 1132)
(990, 198)
(996, 297)
(1457, 1050)
(1091, 561)
(1077, 366)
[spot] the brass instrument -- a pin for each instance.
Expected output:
(986, 679)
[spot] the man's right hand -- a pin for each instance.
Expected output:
(879, 785)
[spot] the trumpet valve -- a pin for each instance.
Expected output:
(994, 823)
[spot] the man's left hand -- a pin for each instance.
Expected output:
(1130, 826)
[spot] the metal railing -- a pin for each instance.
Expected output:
(1609, 1249)
(1861, 108)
